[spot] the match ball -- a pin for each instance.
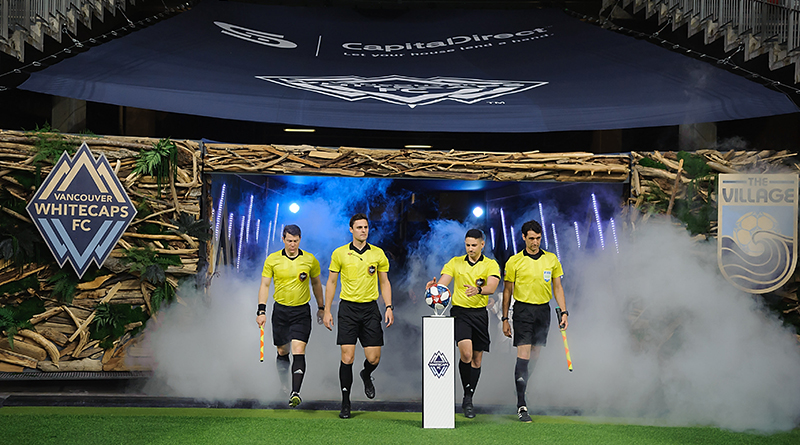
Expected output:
(437, 297)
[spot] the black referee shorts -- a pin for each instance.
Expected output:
(472, 323)
(290, 323)
(531, 323)
(359, 322)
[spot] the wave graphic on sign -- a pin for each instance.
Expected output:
(405, 90)
(761, 272)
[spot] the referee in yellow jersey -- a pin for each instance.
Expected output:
(292, 270)
(476, 277)
(363, 267)
(533, 277)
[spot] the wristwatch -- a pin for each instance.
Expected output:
(389, 306)
(565, 313)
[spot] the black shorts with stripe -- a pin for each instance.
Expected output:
(290, 323)
(472, 323)
(359, 322)
(531, 323)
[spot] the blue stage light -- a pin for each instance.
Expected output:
(294, 208)
(477, 211)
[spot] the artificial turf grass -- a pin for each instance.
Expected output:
(87, 425)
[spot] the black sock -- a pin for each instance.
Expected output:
(465, 371)
(282, 363)
(521, 380)
(473, 383)
(346, 380)
(298, 371)
(368, 367)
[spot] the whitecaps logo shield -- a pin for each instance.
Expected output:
(81, 210)
(757, 240)
(405, 90)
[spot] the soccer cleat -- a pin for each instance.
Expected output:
(469, 410)
(369, 387)
(295, 400)
(345, 412)
(522, 413)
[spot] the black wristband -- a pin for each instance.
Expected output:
(261, 312)
(389, 306)
(504, 319)
(480, 290)
(262, 307)
(565, 313)
(321, 308)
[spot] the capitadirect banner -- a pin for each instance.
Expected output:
(757, 239)
(499, 71)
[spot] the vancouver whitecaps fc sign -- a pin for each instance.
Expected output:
(438, 364)
(405, 90)
(81, 210)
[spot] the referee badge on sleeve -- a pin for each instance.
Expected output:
(547, 274)
(372, 269)
(480, 282)
(303, 276)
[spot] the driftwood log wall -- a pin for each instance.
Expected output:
(684, 185)
(57, 339)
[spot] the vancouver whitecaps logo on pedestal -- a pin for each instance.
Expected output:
(438, 364)
(81, 210)
(757, 242)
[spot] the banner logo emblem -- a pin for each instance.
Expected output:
(81, 210)
(404, 90)
(757, 240)
(438, 364)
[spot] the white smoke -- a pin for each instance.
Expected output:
(655, 333)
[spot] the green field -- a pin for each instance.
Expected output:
(84, 426)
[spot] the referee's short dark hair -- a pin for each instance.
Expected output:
(358, 216)
(531, 225)
(291, 229)
(474, 233)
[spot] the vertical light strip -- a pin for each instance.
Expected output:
(503, 222)
(239, 250)
(513, 240)
(249, 217)
(230, 225)
(555, 241)
(544, 226)
(275, 224)
(269, 235)
(577, 233)
(491, 232)
(218, 222)
(258, 229)
(597, 220)
(614, 232)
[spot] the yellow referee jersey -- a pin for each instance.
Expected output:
(358, 271)
(533, 279)
(464, 272)
(291, 276)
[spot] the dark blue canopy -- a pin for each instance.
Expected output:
(426, 70)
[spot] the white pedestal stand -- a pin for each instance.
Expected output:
(439, 367)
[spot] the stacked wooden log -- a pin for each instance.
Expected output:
(60, 339)
(461, 165)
